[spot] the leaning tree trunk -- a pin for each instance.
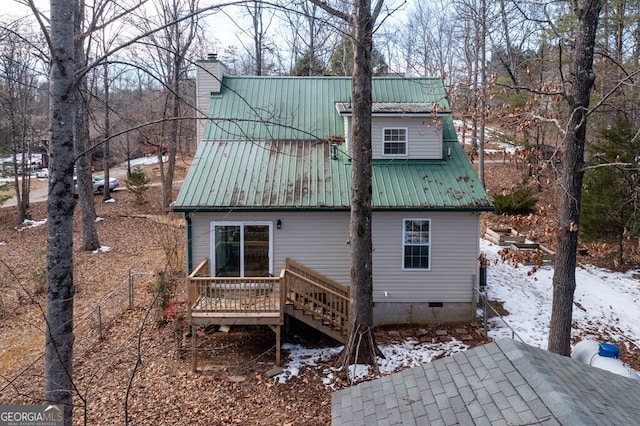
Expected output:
(564, 276)
(58, 355)
(361, 348)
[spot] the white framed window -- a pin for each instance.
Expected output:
(242, 249)
(394, 141)
(416, 244)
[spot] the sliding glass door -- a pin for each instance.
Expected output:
(241, 249)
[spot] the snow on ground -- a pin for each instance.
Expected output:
(605, 304)
(28, 223)
(141, 161)
(102, 249)
(492, 135)
(144, 161)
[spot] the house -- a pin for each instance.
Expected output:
(501, 383)
(267, 197)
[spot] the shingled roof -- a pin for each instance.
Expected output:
(501, 383)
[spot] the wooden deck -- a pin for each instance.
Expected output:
(298, 291)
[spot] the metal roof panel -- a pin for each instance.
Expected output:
(288, 174)
(266, 108)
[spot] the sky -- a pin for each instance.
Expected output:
(222, 27)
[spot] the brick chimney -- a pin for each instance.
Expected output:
(209, 73)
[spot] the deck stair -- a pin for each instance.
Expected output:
(316, 300)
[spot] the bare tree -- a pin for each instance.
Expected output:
(362, 347)
(309, 37)
(429, 42)
(261, 20)
(170, 48)
(18, 101)
(564, 276)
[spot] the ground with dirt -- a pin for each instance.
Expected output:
(139, 370)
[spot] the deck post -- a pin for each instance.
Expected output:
(194, 361)
(277, 328)
(278, 332)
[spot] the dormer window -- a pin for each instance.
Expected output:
(394, 141)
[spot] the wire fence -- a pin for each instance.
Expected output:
(24, 384)
(92, 325)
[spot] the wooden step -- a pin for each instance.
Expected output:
(337, 334)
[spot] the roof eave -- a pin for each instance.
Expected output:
(330, 209)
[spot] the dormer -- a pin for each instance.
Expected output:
(401, 130)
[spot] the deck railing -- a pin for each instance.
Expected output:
(232, 294)
(326, 300)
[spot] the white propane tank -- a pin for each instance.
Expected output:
(603, 356)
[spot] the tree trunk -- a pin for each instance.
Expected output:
(90, 239)
(258, 36)
(167, 188)
(362, 348)
(17, 166)
(58, 356)
(564, 277)
(106, 191)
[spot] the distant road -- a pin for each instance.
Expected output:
(40, 194)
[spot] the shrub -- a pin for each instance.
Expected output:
(519, 201)
(137, 182)
(4, 192)
(165, 287)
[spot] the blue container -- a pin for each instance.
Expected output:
(607, 350)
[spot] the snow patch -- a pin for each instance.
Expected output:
(28, 223)
(102, 249)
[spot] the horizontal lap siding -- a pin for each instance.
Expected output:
(315, 239)
(200, 240)
(318, 240)
(454, 252)
(425, 138)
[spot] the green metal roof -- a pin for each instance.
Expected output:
(300, 175)
(265, 108)
(255, 156)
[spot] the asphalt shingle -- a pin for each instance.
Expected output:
(518, 384)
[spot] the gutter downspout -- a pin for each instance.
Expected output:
(187, 218)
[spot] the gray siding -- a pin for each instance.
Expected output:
(424, 137)
(454, 253)
(319, 241)
(206, 84)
